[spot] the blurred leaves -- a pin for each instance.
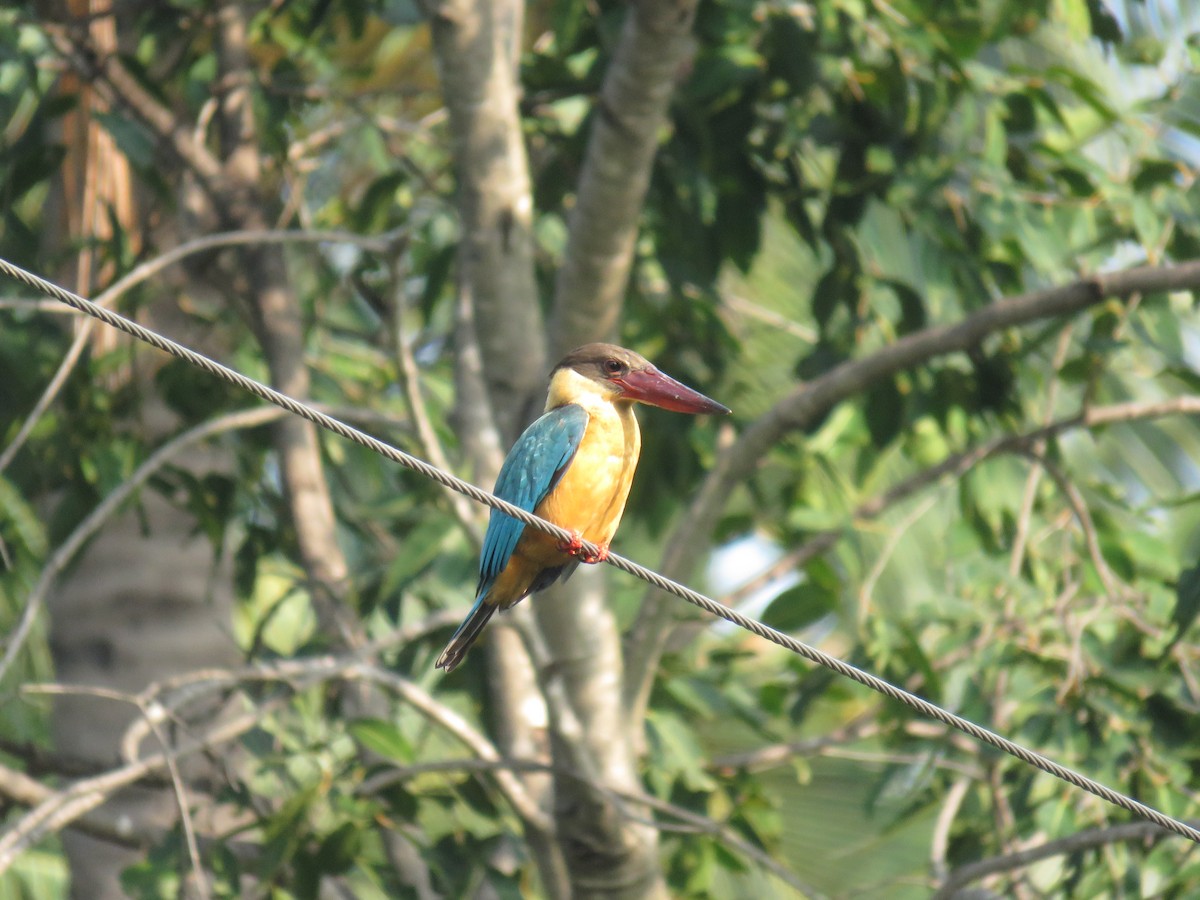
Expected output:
(836, 176)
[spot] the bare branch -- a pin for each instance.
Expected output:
(59, 809)
(146, 270)
(772, 755)
(1021, 535)
(452, 722)
(884, 557)
(1080, 509)
(117, 87)
(151, 715)
(468, 514)
(263, 278)
(736, 463)
(499, 332)
(689, 822)
(1075, 843)
(940, 840)
(584, 675)
(954, 466)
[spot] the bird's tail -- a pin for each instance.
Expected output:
(467, 632)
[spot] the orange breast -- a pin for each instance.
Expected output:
(590, 496)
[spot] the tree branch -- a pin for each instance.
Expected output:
(62, 808)
(1075, 843)
(651, 53)
(151, 267)
(117, 87)
(499, 332)
(580, 629)
(690, 822)
(109, 505)
(954, 465)
(151, 718)
(452, 722)
(469, 515)
(477, 45)
(263, 277)
(737, 462)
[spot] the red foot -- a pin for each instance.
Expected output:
(575, 547)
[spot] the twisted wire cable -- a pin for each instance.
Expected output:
(919, 704)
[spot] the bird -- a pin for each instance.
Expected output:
(573, 466)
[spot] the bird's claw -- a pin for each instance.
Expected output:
(574, 547)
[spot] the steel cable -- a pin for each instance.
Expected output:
(707, 604)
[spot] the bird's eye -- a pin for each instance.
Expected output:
(613, 367)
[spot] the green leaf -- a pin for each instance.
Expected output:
(830, 292)
(884, 410)
(379, 201)
(678, 752)
(1021, 117)
(1187, 600)
(800, 606)
(1154, 172)
(912, 307)
(1105, 26)
(421, 548)
(132, 137)
(339, 849)
(383, 738)
(26, 523)
(717, 74)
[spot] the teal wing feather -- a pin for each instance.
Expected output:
(532, 469)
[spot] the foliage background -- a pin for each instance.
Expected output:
(829, 178)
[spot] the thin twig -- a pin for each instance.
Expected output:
(452, 722)
(1079, 507)
(108, 506)
(693, 822)
(1029, 495)
(1075, 843)
(885, 554)
(939, 841)
(63, 807)
(151, 267)
(467, 513)
(152, 716)
(809, 400)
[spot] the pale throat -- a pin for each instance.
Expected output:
(568, 386)
(610, 416)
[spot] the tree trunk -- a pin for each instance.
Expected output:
(144, 602)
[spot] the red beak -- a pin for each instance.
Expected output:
(651, 386)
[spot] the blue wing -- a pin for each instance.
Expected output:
(532, 469)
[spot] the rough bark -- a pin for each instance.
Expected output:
(280, 328)
(654, 48)
(141, 604)
(229, 191)
(477, 46)
(609, 855)
(606, 853)
(145, 605)
(500, 361)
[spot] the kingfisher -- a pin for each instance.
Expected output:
(573, 467)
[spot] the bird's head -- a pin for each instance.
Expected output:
(619, 375)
